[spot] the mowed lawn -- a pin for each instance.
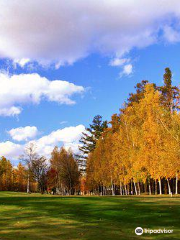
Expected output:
(36, 216)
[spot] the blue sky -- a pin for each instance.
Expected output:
(45, 113)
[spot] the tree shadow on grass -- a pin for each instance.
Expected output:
(86, 217)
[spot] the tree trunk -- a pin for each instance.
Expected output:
(112, 188)
(128, 189)
(125, 189)
(149, 188)
(169, 187)
(139, 188)
(160, 190)
(28, 184)
(155, 187)
(135, 188)
(176, 192)
(120, 188)
(104, 193)
(131, 187)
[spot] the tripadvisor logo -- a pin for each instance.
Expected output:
(139, 231)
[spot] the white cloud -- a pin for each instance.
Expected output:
(68, 137)
(127, 70)
(23, 89)
(63, 32)
(117, 62)
(11, 150)
(23, 133)
(10, 111)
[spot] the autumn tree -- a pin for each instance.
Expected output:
(139, 152)
(39, 170)
(67, 172)
(6, 177)
(30, 155)
(19, 178)
(139, 94)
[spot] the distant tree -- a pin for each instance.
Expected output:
(67, 172)
(6, 175)
(39, 170)
(55, 167)
(29, 155)
(19, 174)
(52, 180)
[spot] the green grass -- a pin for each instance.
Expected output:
(39, 217)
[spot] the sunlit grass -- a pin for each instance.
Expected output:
(36, 216)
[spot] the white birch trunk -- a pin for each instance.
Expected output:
(132, 192)
(139, 188)
(160, 190)
(149, 188)
(28, 191)
(135, 188)
(125, 189)
(120, 188)
(112, 188)
(169, 187)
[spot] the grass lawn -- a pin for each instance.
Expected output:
(37, 217)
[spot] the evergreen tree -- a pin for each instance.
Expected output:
(170, 94)
(89, 139)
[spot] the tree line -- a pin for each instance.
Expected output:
(35, 173)
(139, 151)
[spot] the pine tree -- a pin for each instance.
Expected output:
(170, 94)
(89, 139)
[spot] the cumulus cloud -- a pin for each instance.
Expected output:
(68, 137)
(17, 90)
(23, 133)
(63, 32)
(11, 150)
